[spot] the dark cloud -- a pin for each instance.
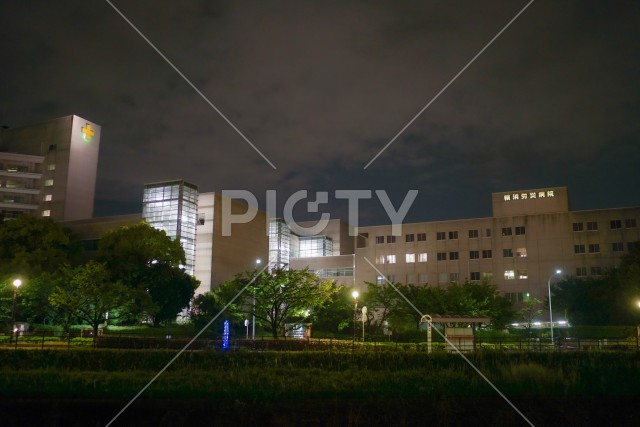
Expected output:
(321, 87)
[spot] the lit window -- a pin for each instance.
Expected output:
(509, 275)
(380, 259)
(410, 258)
(47, 198)
(521, 252)
(46, 213)
(48, 182)
(422, 257)
(487, 275)
(522, 274)
(380, 280)
(51, 167)
(391, 259)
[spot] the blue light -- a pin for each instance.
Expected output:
(225, 335)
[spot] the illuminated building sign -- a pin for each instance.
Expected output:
(87, 133)
(529, 195)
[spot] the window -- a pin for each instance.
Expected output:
(520, 231)
(51, 167)
(422, 257)
(453, 256)
(48, 182)
(453, 235)
(581, 271)
(47, 197)
(442, 256)
(487, 275)
(630, 223)
(409, 237)
(46, 213)
(475, 275)
(410, 279)
(579, 249)
(487, 232)
(454, 277)
(473, 234)
(442, 277)
(617, 246)
(423, 278)
(522, 274)
(380, 280)
(380, 259)
(518, 296)
(487, 253)
(422, 237)
(474, 254)
(594, 248)
(507, 253)
(506, 231)
(391, 259)
(632, 245)
(592, 226)
(509, 275)
(441, 235)
(53, 147)
(521, 253)
(410, 258)
(391, 239)
(379, 240)
(615, 224)
(578, 226)
(596, 271)
(391, 278)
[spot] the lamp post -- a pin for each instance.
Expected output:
(364, 316)
(355, 295)
(550, 312)
(16, 284)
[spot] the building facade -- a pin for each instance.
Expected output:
(49, 169)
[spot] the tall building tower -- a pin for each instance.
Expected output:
(49, 169)
(172, 206)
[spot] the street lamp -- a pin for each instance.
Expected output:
(550, 312)
(355, 295)
(16, 284)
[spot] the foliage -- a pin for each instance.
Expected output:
(281, 296)
(30, 246)
(88, 293)
(148, 261)
(456, 299)
(337, 314)
(530, 311)
(611, 299)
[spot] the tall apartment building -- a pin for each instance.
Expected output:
(49, 169)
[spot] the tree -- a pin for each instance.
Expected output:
(281, 296)
(171, 290)
(88, 293)
(529, 312)
(30, 246)
(149, 261)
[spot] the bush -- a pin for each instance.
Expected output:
(48, 331)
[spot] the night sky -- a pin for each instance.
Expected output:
(321, 87)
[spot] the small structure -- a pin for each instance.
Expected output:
(457, 338)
